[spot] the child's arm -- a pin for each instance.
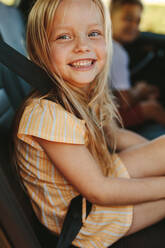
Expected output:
(125, 138)
(142, 90)
(78, 167)
(132, 96)
(151, 109)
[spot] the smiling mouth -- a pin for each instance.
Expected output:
(83, 64)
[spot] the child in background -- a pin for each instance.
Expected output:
(61, 144)
(139, 106)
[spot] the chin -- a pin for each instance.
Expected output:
(128, 39)
(81, 83)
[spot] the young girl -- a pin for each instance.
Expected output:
(63, 137)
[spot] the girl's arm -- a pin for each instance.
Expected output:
(78, 167)
(125, 138)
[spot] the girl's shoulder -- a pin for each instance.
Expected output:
(49, 120)
(43, 106)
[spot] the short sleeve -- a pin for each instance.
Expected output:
(48, 120)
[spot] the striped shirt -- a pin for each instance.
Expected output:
(49, 191)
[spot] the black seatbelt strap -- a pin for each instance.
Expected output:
(72, 222)
(29, 71)
(40, 80)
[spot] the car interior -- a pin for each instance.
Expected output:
(147, 57)
(19, 227)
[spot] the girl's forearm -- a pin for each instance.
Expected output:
(121, 191)
(126, 139)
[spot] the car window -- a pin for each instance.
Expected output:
(10, 2)
(153, 19)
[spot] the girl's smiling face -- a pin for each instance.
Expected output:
(77, 44)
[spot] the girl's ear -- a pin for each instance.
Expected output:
(25, 68)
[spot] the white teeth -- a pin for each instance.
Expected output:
(83, 63)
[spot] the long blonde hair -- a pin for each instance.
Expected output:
(97, 108)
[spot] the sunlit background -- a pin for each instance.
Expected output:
(10, 2)
(153, 19)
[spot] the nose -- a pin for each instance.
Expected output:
(82, 44)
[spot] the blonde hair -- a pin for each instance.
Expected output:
(97, 108)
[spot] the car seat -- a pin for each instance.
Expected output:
(12, 31)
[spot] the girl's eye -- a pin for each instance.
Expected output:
(64, 37)
(94, 34)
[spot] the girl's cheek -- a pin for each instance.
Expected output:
(103, 50)
(103, 45)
